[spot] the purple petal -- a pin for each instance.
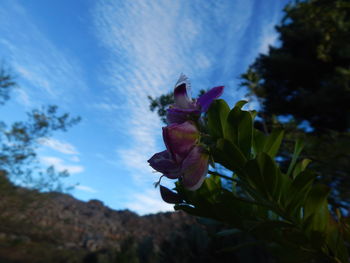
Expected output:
(206, 99)
(175, 115)
(180, 139)
(194, 168)
(181, 97)
(162, 162)
(169, 196)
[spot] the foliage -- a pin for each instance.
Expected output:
(6, 85)
(161, 104)
(281, 206)
(308, 75)
(307, 78)
(20, 140)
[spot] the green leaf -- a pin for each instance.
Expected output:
(301, 166)
(335, 242)
(210, 189)
(273, 142)
(261, 173)
(316, 208)
(259, 140)
(282, 188)
(239, 129)
(254, 177)
(240, 104)
(228, 155)
(253, 113)
(299, 145)
(268, 168)
(267, 143)
(299, 190)
(217, 115)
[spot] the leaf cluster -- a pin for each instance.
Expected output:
(282, 206)
(308, 74)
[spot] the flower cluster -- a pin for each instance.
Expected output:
(185, 158)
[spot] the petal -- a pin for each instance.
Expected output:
(182, 96)
(162, 162)
(194, 168)
(175, 115)
(207, 98)
(169, 196)
(180, 139)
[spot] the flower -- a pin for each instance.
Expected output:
(184, 158)
(179, 139)
(194, 168)
(184, 108)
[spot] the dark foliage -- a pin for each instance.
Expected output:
(308, 76)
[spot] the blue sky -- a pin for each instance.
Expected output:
(100, 60)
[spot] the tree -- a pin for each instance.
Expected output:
(20, 140)
(307, 77)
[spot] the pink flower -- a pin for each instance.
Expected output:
(184, 158)
(184, 107)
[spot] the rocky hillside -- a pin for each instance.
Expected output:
(54, 226)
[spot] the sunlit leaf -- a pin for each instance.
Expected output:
(217, 115)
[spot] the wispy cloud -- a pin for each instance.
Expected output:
(75, 159)
(60, 165)
(86, 189)
(150, 45)
(23, 98)
(148, 202)
(107, 106)
(268, 36)
(60, 146)
(52, 74)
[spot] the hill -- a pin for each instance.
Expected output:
(55, 227)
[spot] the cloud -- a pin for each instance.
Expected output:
(59, 146)
(86, 189)
(60, 165)
(23, 98)
(106, 106)
(75, 159)
(269, 37)
(149, 46)
(148, 202)
(52, 74)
